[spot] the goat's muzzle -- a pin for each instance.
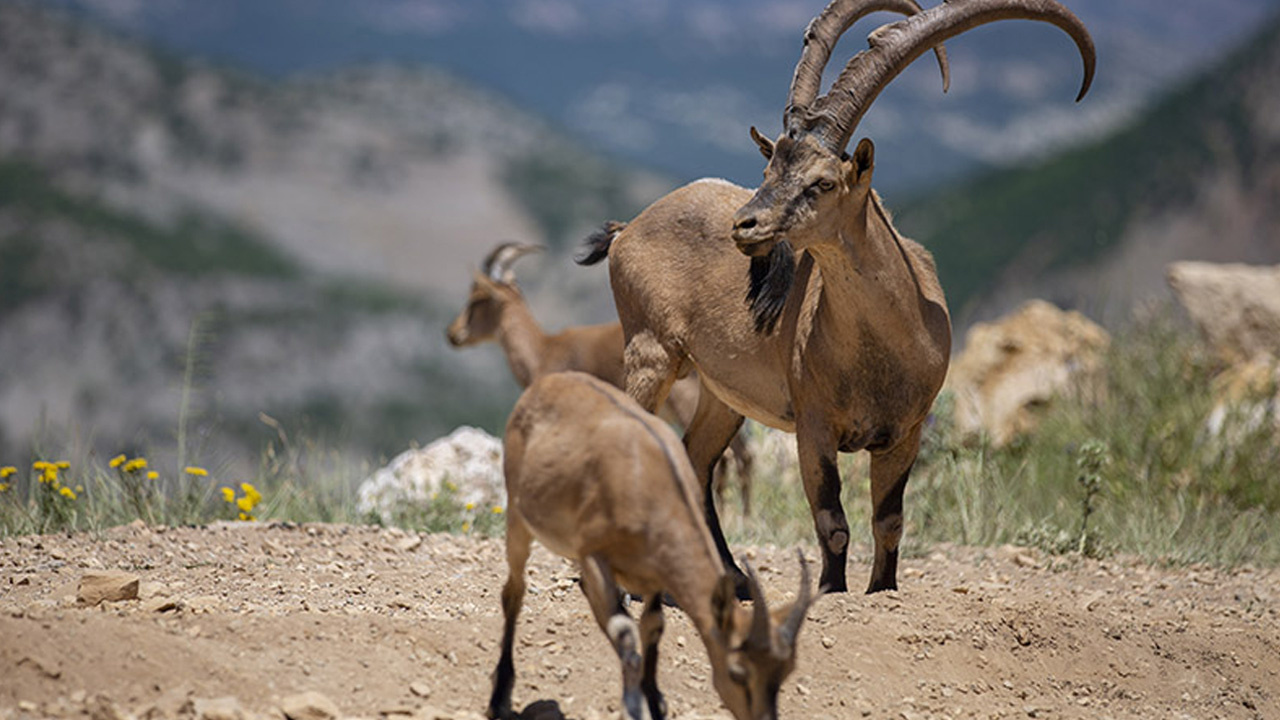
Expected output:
(751, 236)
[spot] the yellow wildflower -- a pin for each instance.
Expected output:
(117, 461)
(152, 474)
(245, 504)
(50, 474)
(79, 488)
(251, 492)
(4, 487)
(466, 527)
(247, 516)
(7, 470)
(67, 492)
(497, 510)
(470, 506)
(450, 486)
(63, 465)
(228, 494)
(195, 471)
(39, 465)
(135, 465)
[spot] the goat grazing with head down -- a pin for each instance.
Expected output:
(496, 310)
(596, 479)
(845, 336)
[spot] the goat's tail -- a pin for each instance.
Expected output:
(596, 246)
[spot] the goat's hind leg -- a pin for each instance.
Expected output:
(519, 541)
(606, 604)
(651, 626)
(714, 425)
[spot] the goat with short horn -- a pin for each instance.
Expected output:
(496, 310)
(845, 336)
(596, 479)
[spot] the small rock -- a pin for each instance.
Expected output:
(159, 604)
(111, 585)
(223, 708)
(409, 544)
(203, 604)
(828, 642)
(308, 706)
(101, 707)
(420, 689)
(1027, 561)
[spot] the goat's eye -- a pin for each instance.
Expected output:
(825, 185)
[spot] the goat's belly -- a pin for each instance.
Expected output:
(772, 408)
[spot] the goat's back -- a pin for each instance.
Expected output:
(588, 470)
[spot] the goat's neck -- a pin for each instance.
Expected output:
(522, 340)
(865, 267)
(691, 581)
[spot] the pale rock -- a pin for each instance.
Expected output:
(111, 585)
(468, 459)
(1011, 367)
(309, 705)
(223, 708)
(1236, 307)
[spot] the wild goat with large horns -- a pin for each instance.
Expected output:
(845, 336)
(496, 310)
(595, 478)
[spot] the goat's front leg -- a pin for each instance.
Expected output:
(889, 473)
(650, 369)
(606, 604)
(821, 475)
(651, 625)
(714, 425)
(519, 541)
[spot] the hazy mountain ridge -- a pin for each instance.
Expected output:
(1197, 177)
(674, 84)
(315, 235)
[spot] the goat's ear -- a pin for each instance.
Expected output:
(864, 160)
(764, 143)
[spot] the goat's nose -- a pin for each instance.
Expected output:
(745, 223)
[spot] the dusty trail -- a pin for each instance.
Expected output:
(233, 619)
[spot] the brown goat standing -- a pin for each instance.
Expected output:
(596, 479)
(496, 310)
(846, 336)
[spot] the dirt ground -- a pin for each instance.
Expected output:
(233, 620)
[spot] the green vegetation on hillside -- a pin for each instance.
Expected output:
(1071, 207)
(195, 245)
(567, 191)
(1130, 466)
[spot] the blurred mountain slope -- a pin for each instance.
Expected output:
(302, 243)
(1195, 177)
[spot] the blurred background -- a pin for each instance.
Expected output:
(220, 222)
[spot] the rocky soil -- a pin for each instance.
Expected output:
(268, 621)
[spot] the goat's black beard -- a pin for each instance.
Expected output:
(771, 277)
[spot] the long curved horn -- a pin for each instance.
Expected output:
(759, 635)
(790, 627)
(820, 39)
(497, 264)
(835, 116)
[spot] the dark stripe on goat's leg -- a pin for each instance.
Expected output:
(889, 474)
(504, 676)
(651, 626)
(606, 604)
(831, 526)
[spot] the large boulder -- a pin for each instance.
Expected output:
(1236, 307)
(467, 463)
(1011, 367)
